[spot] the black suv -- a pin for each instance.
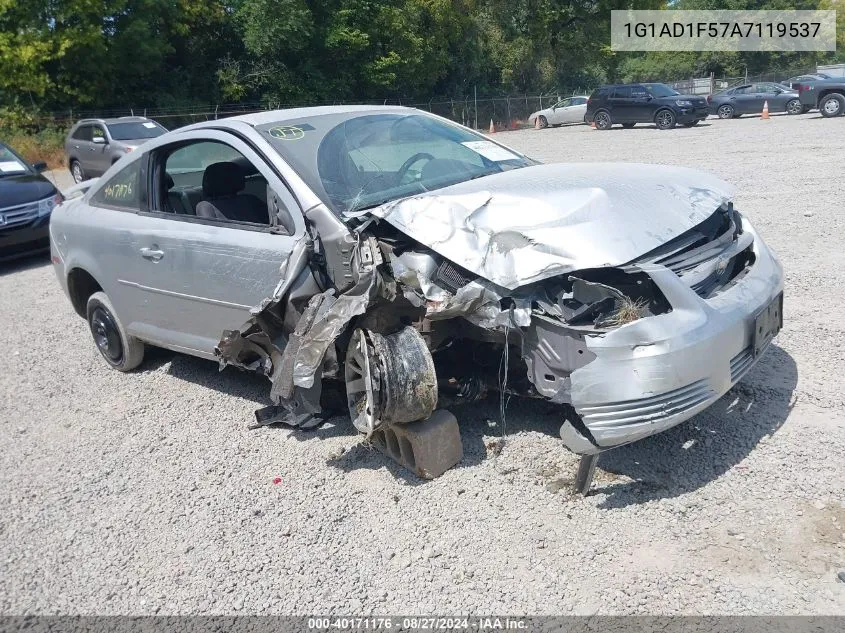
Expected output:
(630, 104)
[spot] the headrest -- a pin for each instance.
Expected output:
(169, 181)
(222, 179)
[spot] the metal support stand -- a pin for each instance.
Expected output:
(584, 476)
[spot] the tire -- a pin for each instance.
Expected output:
(602, 120)
(664, 119)
(832, 105)
(690, 123)
(726, 111)
(76, 171)
(793, 106)
(118, 349)
(544, 123)
(628, 126)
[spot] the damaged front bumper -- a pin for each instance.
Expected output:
(652, 374)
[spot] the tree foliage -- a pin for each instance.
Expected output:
(61, 54)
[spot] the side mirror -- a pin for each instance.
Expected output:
(99, 140)
(39, 166)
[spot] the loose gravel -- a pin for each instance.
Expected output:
(145, 493)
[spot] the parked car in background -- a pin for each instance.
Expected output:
(94, 145)
(629, 104)
(828, 95)
(749, 99)
(26, 201)
(388, 250)
(569, 110)
(793, 82)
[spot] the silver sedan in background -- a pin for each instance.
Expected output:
(569, 110)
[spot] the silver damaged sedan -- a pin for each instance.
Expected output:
(404, 262)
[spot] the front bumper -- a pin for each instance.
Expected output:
(655, 373)
(687, 115)
(23, 240)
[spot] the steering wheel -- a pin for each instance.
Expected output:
(403, 170)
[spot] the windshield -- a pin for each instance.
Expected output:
(135, 130)
(661, 90)
(11, 163)
(355, 161)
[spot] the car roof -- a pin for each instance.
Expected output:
(122, 119)
(289, 114)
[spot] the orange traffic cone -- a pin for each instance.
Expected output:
(537, 123)
(765, 114)
(492, 127)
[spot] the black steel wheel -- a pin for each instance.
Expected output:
(121, 351)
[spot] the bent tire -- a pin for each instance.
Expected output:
(793, 106)
(121, 351)
(602, 120)
(832, 105)
(76, 171)
(664, 120)
(725, 111)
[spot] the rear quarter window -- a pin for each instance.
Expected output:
(122, 190)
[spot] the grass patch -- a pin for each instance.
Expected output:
(46, 144)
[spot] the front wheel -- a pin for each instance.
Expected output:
(793, 106)
(544, 123)
(832, 105)
(76, 171)
(665, 120)
(725, 111)
(121, 351)
(602, 120)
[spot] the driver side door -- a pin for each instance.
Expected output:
(193, 276)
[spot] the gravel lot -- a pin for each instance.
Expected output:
(146, 493)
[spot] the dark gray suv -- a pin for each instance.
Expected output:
(94, 145)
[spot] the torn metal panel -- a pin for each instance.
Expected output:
(535, 223)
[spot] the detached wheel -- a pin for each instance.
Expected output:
(121, 351)
(76, 171)
(602, 120)
(665, 120)
(628, 126)
(793, 106)
(832, 105)
(543, 122)
(726, 111)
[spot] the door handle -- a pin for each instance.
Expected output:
(152, 253)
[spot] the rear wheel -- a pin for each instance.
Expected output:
(665, 120)
(76, 171)
(726, 111)
(793, 106)
(832, 105)
(121, 351)
(544, 123)
(628, 126)
(602, 120)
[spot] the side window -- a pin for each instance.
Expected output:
(122, 190)
(578, 101)
(212, 180)
(564, 103)
(622, 92)
(744, 90)
(639, 92)
(98, 133)
(83, 133)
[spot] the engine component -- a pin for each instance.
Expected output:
(389, 379)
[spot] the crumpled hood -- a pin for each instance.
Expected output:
(533, 223)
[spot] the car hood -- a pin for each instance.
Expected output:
(529, 224)
(20, 189)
